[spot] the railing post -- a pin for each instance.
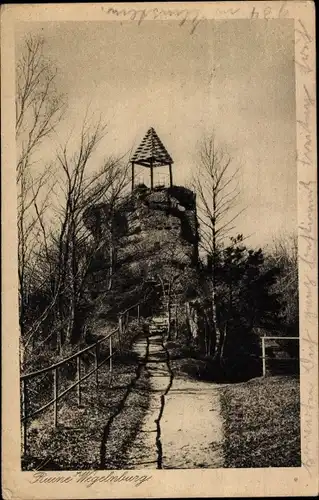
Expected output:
(55, 397)
(96, 365)
(24, 414)
(138, 313)
(78, 365)
(111, 365)
(263, 348)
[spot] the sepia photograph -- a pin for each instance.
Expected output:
(168, 245)
(158, 243)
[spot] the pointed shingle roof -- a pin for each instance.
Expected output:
(151, 151)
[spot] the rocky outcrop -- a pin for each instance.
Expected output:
(151, 237)
(158, 221)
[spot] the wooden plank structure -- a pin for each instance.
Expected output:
(151, 153)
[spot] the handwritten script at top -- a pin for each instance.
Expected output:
(191, 17)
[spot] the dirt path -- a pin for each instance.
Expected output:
(182, 427)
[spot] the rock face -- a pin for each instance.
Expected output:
(149, 241)
(159, 224)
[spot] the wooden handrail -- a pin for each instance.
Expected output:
(68, 389)
(280, 338)
(27, 376)
(54, 368)
(128, 309)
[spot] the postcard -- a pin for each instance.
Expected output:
(159, 243)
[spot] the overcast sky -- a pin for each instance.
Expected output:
(233, 77)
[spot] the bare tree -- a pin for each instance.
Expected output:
(217, 188)
(69, 246)
(39, 109)
(39, 105)
(55, 248)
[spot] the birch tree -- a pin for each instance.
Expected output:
(217, 189)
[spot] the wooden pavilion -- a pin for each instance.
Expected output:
(151, 153)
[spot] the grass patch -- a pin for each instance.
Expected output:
(262, 423)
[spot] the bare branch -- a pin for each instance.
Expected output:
(217, 193)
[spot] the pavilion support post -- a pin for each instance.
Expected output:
(133, 175)
(170, 175)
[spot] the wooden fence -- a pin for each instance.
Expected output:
(264, 357)
(123, 321)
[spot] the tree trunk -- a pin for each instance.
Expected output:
(188, 320)
(111, 270)
(209, 335)
(219, 346)
(206, 339)
(217, 336)
(169, 316)
(71, 272)
(22, 354)
(111, 254)
(216, 333)
(229, 315)
(22, 316)
(59, 339)
(223, 343)
(223, 335)
(176, 322)
(70, 324)
(203, 338)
